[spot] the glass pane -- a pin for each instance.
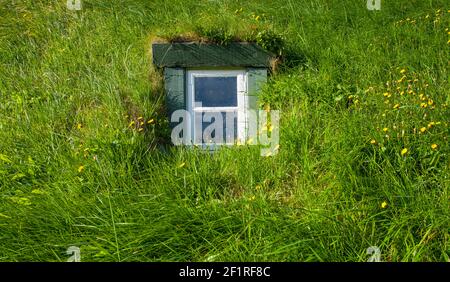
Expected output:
(216, 127)
(216, 91)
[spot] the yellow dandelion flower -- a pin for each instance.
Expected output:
(404, 151)
(385, 129)
(430, 102)
(79, 126)
(431, 124)
(434, 146)
(373, 141)
(396, 106)
(423, 129)
(423, 105)
(402, 71)
(384, 204)
(80, 168)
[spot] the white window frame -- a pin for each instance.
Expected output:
(242, 101)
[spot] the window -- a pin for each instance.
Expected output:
(217, 102)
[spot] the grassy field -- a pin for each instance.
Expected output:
(364, 155)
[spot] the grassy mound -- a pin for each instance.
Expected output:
(364, 150)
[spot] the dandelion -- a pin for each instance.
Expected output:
(431, 124)
(404, 151)
(385, 129)
(80, 169)
(430, 102)
(423, 129)
(387, 94)
(434, 146)
(423, 105)
(373, 141)
(384, 205)
(79, 126)
(396, 106)
(402, 71)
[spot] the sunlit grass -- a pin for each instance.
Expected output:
(364, 150)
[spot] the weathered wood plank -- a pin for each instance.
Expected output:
(256, 78)
(194, 54)
(175, 90)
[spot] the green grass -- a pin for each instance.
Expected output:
(74, 173)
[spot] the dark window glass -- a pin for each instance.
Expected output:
(216, 91)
